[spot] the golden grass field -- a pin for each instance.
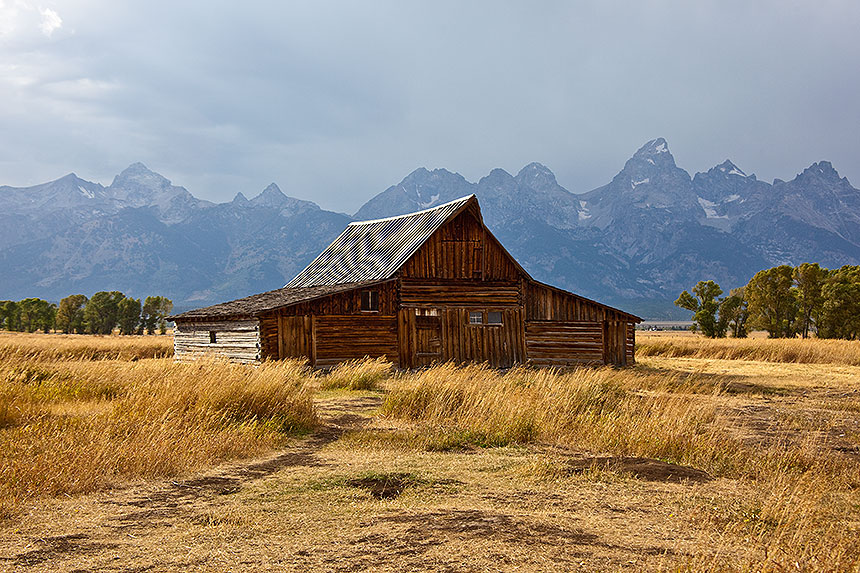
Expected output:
(735, 455)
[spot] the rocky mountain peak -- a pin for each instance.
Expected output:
(655, 152)
(537, 177)
(271, 196)
(240, 199)
(137, 175)
(821, 171)
(730, 168)
(497, 179)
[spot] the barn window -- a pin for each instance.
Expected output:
(476, 318)
(370, 300)
(212, 337)
(494, 317)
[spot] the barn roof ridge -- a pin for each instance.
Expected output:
(464, 199)
(377, 249)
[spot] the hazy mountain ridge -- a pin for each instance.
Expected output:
(650, 232)
(143, 235)
(653, 230)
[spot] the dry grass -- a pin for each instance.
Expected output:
(803, 494)
(790, 350)
(52, 347)
(78, 426)
(489, 455)
(358, 375)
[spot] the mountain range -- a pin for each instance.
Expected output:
(635, 242)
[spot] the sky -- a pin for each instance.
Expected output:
(336, 101)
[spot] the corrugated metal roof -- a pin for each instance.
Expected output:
(375, 250)
(255, 304)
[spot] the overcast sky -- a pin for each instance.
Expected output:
(335, 101)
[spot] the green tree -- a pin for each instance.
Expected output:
(772, 303)
(155, 311)
(4, 317)
(734, 313)
(840, 314)
(70, 314)
(47, 316)
(128, 315)
(808, 283)
(36, 314)
(164, 311)
(101, 312)
(12, 315)
(704, 306)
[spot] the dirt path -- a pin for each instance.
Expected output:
(125, 515)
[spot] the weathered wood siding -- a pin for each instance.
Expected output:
(564, 328)
(464, 294)
(461, 249)
(237, 340)
(348, 302)
(333, 329)
(449, 336)
(339, 338)
(631, 343)
(558, 343)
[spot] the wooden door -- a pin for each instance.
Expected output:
(295, 337)
(428, 340)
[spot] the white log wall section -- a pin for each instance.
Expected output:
(237, 340)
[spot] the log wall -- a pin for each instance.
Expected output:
(557, 343)
(339, 338)
(237, 340)
(466, 294)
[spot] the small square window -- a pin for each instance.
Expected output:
(370, 300)
(476, 318)
(494, 317)
(212, 337)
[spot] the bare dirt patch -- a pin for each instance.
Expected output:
(640, 468)
(386, 486)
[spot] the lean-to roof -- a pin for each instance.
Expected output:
(255, 304)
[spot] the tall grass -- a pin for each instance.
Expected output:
(363, 374)
(15, 345)
(799, 487)
(808, 351)
(144, 419)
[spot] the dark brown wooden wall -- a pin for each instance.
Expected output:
(333, 328)
(501, 346)
(558, 343)
(461, 249)
(458, 293)
(339, 338)
(562, 327)
(631, 343)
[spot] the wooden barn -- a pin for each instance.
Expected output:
(427, 287)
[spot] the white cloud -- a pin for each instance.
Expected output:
(20, 20)
(51, 21)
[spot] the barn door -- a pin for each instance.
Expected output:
(428, 339)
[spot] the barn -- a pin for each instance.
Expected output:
(427, 287)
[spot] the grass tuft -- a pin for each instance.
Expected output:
(363, 374)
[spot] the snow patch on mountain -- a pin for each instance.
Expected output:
(708, 208)
(431, 202)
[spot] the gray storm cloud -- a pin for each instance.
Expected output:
(335, 101)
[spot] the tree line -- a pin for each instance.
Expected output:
(785, 301)
(77, 314)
